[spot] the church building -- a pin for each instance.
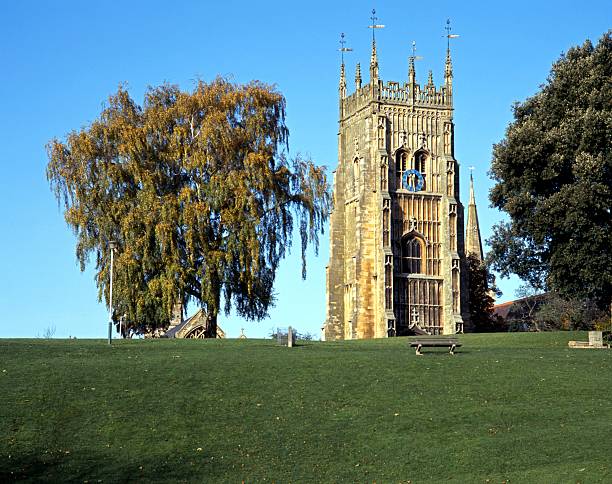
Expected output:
(397, 251)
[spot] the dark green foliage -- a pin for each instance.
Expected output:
(560, 312)
(198, 193)
(554, 180)
(520, 408)
(482, 286)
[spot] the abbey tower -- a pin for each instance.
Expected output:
(397, 261)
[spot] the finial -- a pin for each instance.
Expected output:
(358, 76)
(411, 59)
(343, 49)
(430, 79)
(472, 198)
(373, 58)
(448, 69)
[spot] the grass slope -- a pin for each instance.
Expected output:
(507, 407)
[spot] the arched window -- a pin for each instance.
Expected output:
(401, 161)
(420, 165)
(412, 251)
(356, 176)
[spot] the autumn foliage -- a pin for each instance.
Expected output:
(198, 192)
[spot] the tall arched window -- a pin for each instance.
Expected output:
(412, 255)
(420, 165)
(356, 176)
(402, 165)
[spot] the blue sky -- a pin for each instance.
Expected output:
(60, 61)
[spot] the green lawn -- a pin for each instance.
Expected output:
(507, 407)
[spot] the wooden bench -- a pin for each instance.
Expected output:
(435, 342)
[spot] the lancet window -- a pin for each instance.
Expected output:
(420, 165)
(401, 162)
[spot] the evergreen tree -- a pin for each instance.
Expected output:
(554, 180)
(481, 290)
(199, 194)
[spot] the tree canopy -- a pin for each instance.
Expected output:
(199, 193)
(553, 174)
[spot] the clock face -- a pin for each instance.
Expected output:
(413, 181)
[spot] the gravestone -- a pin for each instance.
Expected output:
(286, 339)
(596, 339)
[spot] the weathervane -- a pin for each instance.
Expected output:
(414, 57)
(448, 33)
(374, 25)
(343, 49)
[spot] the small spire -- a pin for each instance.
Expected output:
(411, 59)
(430, 82)
(373, 58)
(373, 63)
(448, 68)
(358, 76)
(342, 86)
(411, 74)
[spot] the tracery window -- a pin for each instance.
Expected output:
(420, 165)
(412, 251)
(401, 166)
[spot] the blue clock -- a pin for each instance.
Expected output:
(413, 181)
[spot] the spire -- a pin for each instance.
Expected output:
(448, 67)
(430, 79)
(411, 74)
(358, 76)
(343, 49)
(373, 63)
(411, 59)
(373, 58)
(473, 244)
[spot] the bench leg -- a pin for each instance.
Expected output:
(452, 350)
(418, 351)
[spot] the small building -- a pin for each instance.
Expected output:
(193, 327)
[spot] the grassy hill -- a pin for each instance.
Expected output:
(507, 407)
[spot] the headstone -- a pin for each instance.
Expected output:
(596, 339)
(285, 338)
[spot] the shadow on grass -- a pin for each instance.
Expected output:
(92, 467)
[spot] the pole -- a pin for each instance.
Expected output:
(110, 305)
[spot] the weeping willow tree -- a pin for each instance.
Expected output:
(199, 194)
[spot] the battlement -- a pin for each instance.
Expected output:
(412, 95)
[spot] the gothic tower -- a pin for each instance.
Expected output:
(397, 261)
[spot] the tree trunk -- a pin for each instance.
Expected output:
(211, 325)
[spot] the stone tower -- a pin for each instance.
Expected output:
(397, 261)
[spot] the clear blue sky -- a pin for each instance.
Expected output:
(60, 60)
